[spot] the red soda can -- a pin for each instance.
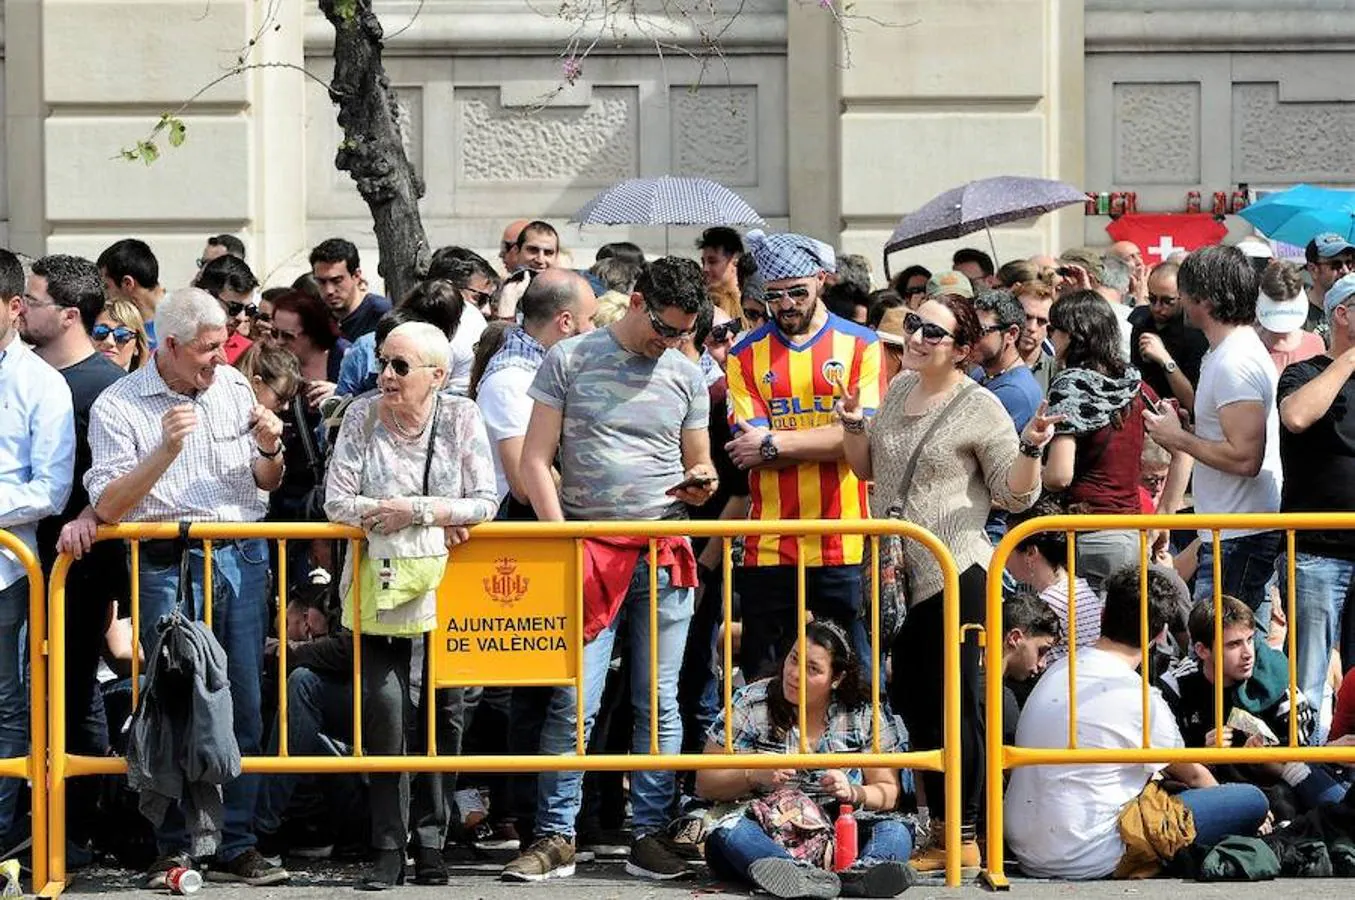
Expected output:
(1220, 203)
(1117, 204)
(1131, 202)
(1239, 201)
(183, 881)
(1090, 206)
(1193, 202)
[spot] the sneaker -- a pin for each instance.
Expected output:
(471, 807)
(498, 836)
(653, 857)
(878, 878)
(248, 868)
(155, 875)
(605, 843)
(550, 857)
(271, 846)
(791, 879)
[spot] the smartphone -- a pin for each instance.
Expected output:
(1065, 272)
(1153, 406)
(693, 482)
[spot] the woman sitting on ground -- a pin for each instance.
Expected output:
(838, 715)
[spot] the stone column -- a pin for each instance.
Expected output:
(91, 77)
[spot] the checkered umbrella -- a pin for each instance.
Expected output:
(667, 201)
(979, 205)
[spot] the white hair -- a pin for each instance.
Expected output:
(430, 341)
(187, 311)
(1115, 273)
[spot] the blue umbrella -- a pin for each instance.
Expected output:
(1298, 215)
(667, 200)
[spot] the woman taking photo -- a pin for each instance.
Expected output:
(942, 453)
(408, 463)
(765, 717)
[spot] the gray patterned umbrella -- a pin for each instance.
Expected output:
(667, 200)
(979, 205)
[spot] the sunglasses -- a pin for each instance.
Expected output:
(913, 291)
(400, 366)
(797, 293)
(666, 331)
(121, 334)
(989, 329)
(931, 332)
(754, 315)
(481, 297)
(261, 316)
(234, 309)
(723, 332)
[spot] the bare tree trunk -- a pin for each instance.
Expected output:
(372, 151)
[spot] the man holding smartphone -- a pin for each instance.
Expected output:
(784, 378)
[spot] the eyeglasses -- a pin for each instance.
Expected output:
(121, 334)
(259, 316)
(990, 329)
(754, 315)
(931, 332)
(724, 331)
(480, 297)
(1154, 481)
(1161, 300)
(794, 294)
(666, 331)
(399, 366)
(32, 302)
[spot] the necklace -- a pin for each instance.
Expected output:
(408, 433)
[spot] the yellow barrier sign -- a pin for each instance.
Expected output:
(508, 616)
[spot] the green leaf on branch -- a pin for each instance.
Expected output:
(148, 152)
(178, 132)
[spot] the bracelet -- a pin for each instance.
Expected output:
(266, 455)
(1034, 451)
(853, 426)
(861, 803)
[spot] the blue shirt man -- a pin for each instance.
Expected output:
(1000, 367)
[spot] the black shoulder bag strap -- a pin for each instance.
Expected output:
(432, 433)
(184, 595)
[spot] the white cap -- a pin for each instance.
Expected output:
(1256, 247)
(1281, 316)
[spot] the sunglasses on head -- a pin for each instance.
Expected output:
(664, 330)
(931, 332)
(726, 330)
(121, 334)
(794, 294)
(399, 366)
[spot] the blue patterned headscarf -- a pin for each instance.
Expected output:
(781, 256)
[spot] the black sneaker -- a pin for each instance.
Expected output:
(248, 868)
(498, 836)
(604, 843)
(791, 879)
(653, 857)
(879, 879)
(155, 875)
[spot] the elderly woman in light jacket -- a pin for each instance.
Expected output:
(408, 463)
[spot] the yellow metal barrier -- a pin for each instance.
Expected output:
(33, 767)
(509, 537)
(1001, 757)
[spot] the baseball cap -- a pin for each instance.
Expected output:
(1339, 293)
(950, 282)
(1088, 259)
(1281, 316)
(1255, 247)
(890, 330)
(1329, 245)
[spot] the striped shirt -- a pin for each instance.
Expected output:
(792, 387)
(212, 478)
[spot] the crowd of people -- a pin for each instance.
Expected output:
(770, 380)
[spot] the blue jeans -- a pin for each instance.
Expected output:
(1248, 565)
(559, 794)
(240, 623)
(13, 692)
(1228, 809)
(319, 710)
(1320, 586)
(731, 851)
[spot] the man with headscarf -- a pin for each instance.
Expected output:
(784, 378)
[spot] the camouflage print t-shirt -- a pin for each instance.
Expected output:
(624, 414)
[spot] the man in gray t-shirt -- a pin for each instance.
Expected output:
(628, 415)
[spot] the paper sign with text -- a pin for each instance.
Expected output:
(507, 614)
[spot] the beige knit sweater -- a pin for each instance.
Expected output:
(961, 474)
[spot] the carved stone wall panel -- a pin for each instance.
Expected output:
(1275, 141)
(715, 132)
(596, 145)
(1157, 133)
(409, 106)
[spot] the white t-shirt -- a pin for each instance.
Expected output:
(1239, 369)
(1063, 821)
(506, 408)
(1126, 328)
(463, 350)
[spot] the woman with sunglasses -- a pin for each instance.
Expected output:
(408, 463)
(119, 333)
(942, 453)
(230, 280)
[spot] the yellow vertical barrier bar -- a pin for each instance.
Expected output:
(653, 647)
(354, 549)
(430, 694)
(1143, 636)
(996, 751)
(801, 623)
(1291, 635)
(1218, 638)
(38, 646)
(1071, 639)
(282, 646)
(137, 646)
(951, 638)
(580, 744)
(206, 584)
(875, 643)
(727, 588)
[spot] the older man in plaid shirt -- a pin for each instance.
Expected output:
(183, 439)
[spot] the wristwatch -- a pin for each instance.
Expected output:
(1170, 366)
(768, 448)
(1034, 451)
(425, 515)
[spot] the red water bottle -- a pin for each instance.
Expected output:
(844, 850)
